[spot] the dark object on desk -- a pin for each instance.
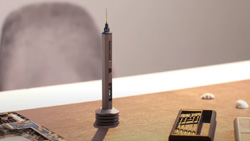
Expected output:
(242, 128)
(107, 116)
(194, 125)
(48, 44)
(15, 127)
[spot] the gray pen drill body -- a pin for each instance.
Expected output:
(106, 70)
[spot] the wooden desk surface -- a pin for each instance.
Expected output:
(146, 117)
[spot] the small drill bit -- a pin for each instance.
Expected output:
(183, 117)
(191, 122)
(179, 125)
(106, 15)
(192, 127)
(197, 122)
(185, 123)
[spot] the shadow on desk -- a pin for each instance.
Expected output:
(100, 134)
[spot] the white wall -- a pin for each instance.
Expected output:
(160, 35)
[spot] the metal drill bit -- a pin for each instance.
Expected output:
(179, 125)
(185, 122)
(191, 122)
(106, 16)
(197, 122)
(183, 117)
(191, 128)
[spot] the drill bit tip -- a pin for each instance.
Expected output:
(107, 15)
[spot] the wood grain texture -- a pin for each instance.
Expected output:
(146, 117)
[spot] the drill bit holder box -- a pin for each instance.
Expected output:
(194, 125)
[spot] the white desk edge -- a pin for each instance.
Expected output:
(123, 86)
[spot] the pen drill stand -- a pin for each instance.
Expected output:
(107, 116)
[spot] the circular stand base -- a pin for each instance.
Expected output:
(106, 118)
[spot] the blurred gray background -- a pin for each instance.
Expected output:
(160, 35)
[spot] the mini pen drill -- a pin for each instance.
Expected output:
(107, 116)
(106, 68)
